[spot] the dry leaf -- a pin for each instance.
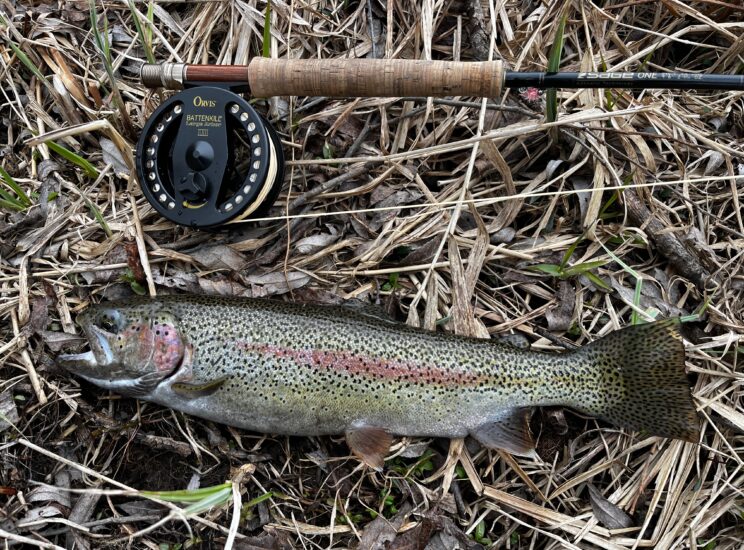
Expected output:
(220, 257)
(315, 243)
(608, 514)
(222, 286)
(381, 531)
(265, 541)
(276, 282)
(560, 318)
(112, 156)
(58, 340)
(8, 412)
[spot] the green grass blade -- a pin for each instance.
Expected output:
(634, 320)
(10, 182)
(550, 269)
(554, 64)
(188, 495)
(101, 39)
(636, 308)
(267, 31)
(26, 60)
(77, 160)
(98, 216)
(597, 281)
(8, 197)
(570, 251)
(104, 47)
(223, 496)
(582, 268)
(146, 44)
(150, 24)
(625, 266)
(199, 500)
(258, 500)
(10, 204)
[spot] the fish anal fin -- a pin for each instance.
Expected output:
(369, 444)
(509, 431)
(192, 391)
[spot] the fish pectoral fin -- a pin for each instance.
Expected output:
(510, 432)
(185, 371)
(192, 391)
(143, 385)
(370, 445)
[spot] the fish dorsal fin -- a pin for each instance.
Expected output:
(192, 391)
(369, 444)
(509, 431)
(518, 341)
(369, 310)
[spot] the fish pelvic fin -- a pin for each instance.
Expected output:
(510, 432)
(643, 385)
(370, 444)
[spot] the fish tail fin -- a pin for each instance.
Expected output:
(643, 385)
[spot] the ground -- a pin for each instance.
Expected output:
(475, 217)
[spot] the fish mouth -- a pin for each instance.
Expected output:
(89, 363)
(75, 361)
(99, 366)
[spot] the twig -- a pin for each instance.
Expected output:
(682, 260)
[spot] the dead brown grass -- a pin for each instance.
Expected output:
(437, 208)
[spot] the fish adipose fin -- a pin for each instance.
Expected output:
(643, 382)
(510, 432)
(370, 445)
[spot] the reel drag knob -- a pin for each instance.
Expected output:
(199, 155)
(206, 157)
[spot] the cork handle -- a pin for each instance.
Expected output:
(374, 78)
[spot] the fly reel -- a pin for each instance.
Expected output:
(206, 157)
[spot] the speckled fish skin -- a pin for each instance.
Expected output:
(285, 368)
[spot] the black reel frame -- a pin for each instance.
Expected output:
(206, 157)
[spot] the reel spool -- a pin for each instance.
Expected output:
(206, 157)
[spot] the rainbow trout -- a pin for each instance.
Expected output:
(285, 368)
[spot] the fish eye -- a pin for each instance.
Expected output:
(108, 322)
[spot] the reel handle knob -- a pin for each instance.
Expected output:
(194, 186)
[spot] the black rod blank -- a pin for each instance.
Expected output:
(641, 81)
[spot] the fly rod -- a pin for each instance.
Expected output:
(265, 77)
(206, 157)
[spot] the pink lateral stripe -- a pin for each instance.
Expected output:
(375, 367)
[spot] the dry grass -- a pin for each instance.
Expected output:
(445, 209)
